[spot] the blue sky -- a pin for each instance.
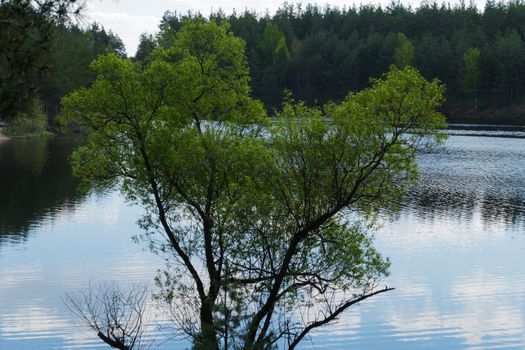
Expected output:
(130, 18)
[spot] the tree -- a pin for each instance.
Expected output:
(471, 73)
(322, 68)
(404, 52)
(430, 54)
(118, 316)
(274, 58)
(26, 28)
(326, 50)
(264, 225)
(106, 42)
(374, 56)
(147, 43)
(72, 49)
(510, 55)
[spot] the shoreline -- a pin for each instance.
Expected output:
(459, 113)
(2, 136)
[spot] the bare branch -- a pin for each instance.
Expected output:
(119, 317)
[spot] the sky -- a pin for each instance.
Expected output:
(129, 18)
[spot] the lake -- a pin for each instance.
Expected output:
(457, 249)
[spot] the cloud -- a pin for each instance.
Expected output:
(472, 311)
(127, 26)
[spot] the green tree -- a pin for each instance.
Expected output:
(471, 73)
(374, 56)
(431, 52)
(71, 51)
(332, 49)
(404, 52)
(26, 28)
(147, 43)
(510, 54)
(322, 67)
(274, 57)
(106, 42)
(260, 222)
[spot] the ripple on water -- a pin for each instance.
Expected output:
(456, 248)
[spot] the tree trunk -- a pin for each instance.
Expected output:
(209, 334)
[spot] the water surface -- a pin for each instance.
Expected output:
(457, 249)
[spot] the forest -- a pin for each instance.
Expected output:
(45, 53)
(319, 53)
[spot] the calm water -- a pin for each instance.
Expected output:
(457, 251)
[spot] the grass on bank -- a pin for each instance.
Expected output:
(33, 123)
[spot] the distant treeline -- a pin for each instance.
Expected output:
(59, 69)
(71, 51)
(44, 55)
(319, 53)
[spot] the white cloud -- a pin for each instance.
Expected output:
(128, 27)
(477, 314)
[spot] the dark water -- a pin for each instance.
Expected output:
(35, 185)
(457, 251)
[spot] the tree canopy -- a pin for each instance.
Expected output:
(264, 223)
(318, 53)
(332, 50)
(26, 28)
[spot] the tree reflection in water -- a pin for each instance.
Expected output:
(36, 184)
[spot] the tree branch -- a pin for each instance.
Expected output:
(333, 315)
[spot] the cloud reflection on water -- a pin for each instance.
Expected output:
(457, 251)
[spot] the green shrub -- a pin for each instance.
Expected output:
(32, 123)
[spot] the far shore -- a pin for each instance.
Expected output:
(2, 136)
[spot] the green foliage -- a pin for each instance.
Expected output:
(259, 222)
(471, 68)
(510, 56)
(44, 56)
(332, 50)
(432, 51)
(273, 60)
(271, 43)
(106, 42)
(471, 72)
(72, 51)
(404, 53)
(32, 123)
(147, 43)
(25, 34)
